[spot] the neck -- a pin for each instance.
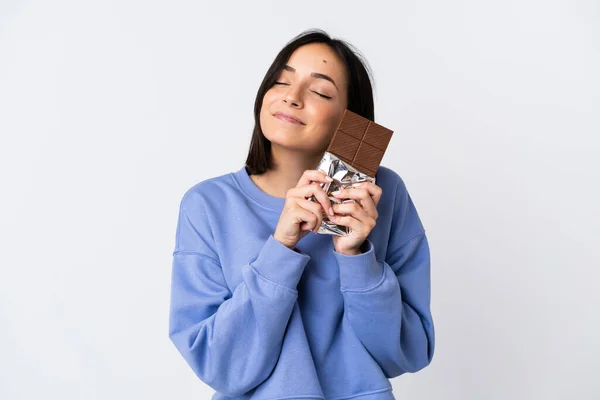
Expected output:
(288, 167)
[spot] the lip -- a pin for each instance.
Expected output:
(288, 118)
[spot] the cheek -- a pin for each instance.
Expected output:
(266, 103)
(332, 123)
(323, 112)
(330, 118)
(267, 99)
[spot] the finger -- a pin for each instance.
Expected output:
(354, 210)
(306, 192)
(355, 225)
(315, 209)
(306, 218)
(313, 175)
(362, 196)
(305, 228)
(303, 231)
(374, 191)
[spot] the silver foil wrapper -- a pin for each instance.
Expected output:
(344, 176)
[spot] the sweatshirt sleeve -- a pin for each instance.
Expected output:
(388, 302)
(230, 339)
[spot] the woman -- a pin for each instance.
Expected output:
(261, 308)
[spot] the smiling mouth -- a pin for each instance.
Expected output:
(288, 119)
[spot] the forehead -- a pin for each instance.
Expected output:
(317, 57)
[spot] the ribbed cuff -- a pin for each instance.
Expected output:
(280, 264)
(359, 272)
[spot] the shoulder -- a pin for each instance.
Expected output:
(390, 181)
(215, 189)
(395, 195)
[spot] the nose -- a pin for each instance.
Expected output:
(293, 97)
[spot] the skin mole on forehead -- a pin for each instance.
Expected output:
(325, 61)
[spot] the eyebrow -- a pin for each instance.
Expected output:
(313, 74)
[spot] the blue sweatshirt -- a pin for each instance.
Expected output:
(257, 320)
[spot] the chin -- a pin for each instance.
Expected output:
(284, 140)
(288, 144)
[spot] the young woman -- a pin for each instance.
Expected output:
(263, 309)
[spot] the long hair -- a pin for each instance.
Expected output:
(360, 92)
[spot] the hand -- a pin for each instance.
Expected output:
(360, 217)
(300, 215)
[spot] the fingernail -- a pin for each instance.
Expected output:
(357, 185)
(331, 211)
(330, 179)
(337, 192)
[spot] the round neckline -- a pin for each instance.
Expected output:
(253, 191)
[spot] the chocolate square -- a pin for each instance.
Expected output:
(360, 142)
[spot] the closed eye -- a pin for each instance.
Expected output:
(322, 95)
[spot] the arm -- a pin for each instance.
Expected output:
(230, 340)
(388, 302)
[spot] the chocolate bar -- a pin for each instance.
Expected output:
(360, 142)
(353, 156)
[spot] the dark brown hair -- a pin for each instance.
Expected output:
(360, 92)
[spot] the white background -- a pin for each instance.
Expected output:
(111, 110)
